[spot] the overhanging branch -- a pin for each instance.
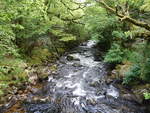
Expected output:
(125, 17)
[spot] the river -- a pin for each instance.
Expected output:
(79, 86)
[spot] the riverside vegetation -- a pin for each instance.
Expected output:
(34, 34)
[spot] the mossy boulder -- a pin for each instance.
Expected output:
(39, 55)
(12, 74)
(70, 58)
(53, 67)
(139, 91)
(121, 69)
(61, 50)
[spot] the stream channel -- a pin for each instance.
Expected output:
(80, 86)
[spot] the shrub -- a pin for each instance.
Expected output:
(100, 26)
(132, 75)
(119, 35)
(145, 75)
(114, 55)
(132, 56)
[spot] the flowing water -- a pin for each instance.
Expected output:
(79, 86)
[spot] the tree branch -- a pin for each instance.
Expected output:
(145, 35)
(125, 17)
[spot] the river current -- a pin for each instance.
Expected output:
(79, 86)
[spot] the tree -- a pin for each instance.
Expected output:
(23, 22)
(123, 13)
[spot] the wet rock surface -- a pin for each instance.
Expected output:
(80, 85)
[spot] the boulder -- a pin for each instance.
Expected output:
(76, 65)
(130, 97)
(70, 58)
(139, 90)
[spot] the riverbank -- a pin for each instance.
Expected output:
(137, 88)
(36, 78)
(81, 85)
(41, 63)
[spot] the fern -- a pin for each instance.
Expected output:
(133, 74)
(114, 55)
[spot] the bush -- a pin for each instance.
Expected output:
(119, 35)
(145, 75)
(114, 55)
(132, 75)
(100, 26)
(140, 57)
(132, 56)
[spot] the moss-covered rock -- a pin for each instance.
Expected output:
(140, 89)
(12, 74)
(122, 69)
(39, 55)
(136, 87)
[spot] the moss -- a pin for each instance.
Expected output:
(1, 93)
(140, 90)
(11, 74)
(39, 55)
(53, 68)
(121, 69)
(61, 50)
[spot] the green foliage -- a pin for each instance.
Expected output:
(147, 96)
(64, 37)
(30, 16)
(140, 58)
(68, 38)
(78, 31)
(133, 74)
(119, 35)
(114, 55)
(145, 63)
(145, 75)
(7, 47)
(127, 38)
(132, 56)
(11, 65)
(38, 56)
(11, 73)
(146, 5)
(22, 22)
(100, 25)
